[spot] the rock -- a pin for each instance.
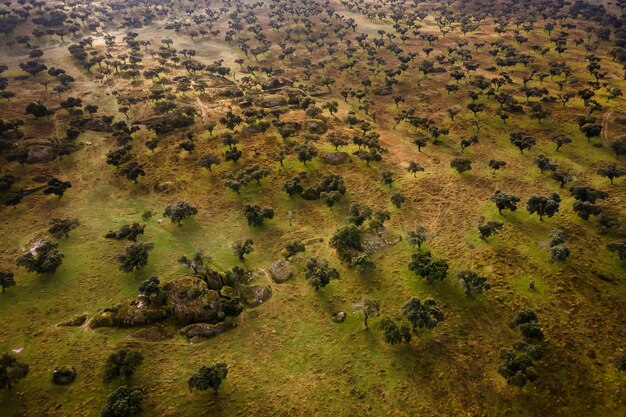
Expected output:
(334, 158)
(76, 321)
(97, 125)
(294, 95)
(229, 292)
(191, 301)
(64, 375)
(155, 333)
(199, 332)
(382, 91)
(281, 270)
(339, 317)
(276, 83)
(41, 155)
(102, 319)
(273, 101)
(254, 295)
(164, 187)
(315, 126)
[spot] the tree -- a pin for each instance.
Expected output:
(233, 154)
(135, 256)
(414, 168)
(179, 211)
(359, 213)
(585, 209)
(208, 160)
(293, 247)
(130, 232)
(496, 164)
(418, 236)
(151, 288)
(395, 333)
(371, 308)
(122, 363)
(12, 370)
(522, 141)
(347, 241)
(256, 216)
(293, 186)
(472, 282)
(422, 315)
(62, 227)
(43, 258)
(243, 248)
(490, 228)
(57, 187)
(517, 364)
(504, 201)
(208, 377)
(397, 199)
(363, 263)
(319, 273)
(619, 248)
(306, 153)
(544, 163)
(619, 147)
(461, 165)
(591, 130)
(432, 270)
(560, 140)
(6, 279)
(543, 205)
(611, 171)
(123, 402)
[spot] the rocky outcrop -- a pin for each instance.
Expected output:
(199, 332)
(255, 295)
(334, 158)
(191, 301)
(74, 322)
(281, 270)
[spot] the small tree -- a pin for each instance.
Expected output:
(496, 164)
(363, 263)
(397, 199)
(490, 228)
(42, 258)
(472, 282)
(504, 201)
(522, 141)
(242, 249)
(135, 256)
(57, 187)
(432, 270)
(461, 165)
(319, 273)
(12, 370)
(6, 279)
(418, 236)
(208, 377)
(291, 248)
(62, 227)
(395, 333)
(414, 168)
(619, 248)
(122, 363)
(179, 211)
(255, 215)
(371, 308)
(543, 205)
(123, 402)
(346, 241)
(422, 315)
(611, 171)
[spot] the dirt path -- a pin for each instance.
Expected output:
(605, 129)
(203, 109)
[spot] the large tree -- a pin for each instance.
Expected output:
(422, 315)
(135, 256)
(208, 377)
(179, 211)
(43, 258)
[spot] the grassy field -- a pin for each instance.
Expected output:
(287, 357)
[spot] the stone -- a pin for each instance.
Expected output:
(382, 91)
(164, 187)
(334, 158)
(191, 301)
(254, 295)
(273, 101)
(199, 332)
(339, 317)
(154, 333)
(64, 375)
(315, 126)
(276, 83)
(41, 154)
(281, 270)
(229, 292)
(76, 321)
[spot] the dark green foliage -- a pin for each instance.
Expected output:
(293, 186)
(208, 377)
(397, 199)
(62, 227)
(306, 152)
(371, 308)
(233, 154)
(319, 273)
(585, 209)
(588, 194)
(122, 364)
(461, 165)
(132, 171)
(528, 323)
(379, 218)
(522, 141)
(422, 315)
(130, 232)
(544, 163)
(472, 282)
(543, 205)
(620, 363)
(395, 333)
(135, 256)
(6, 279)
(619, 147)
(611, 171)
(151, 290)
(432, 270)
(619, 248)
(243, 248)
(359, 213)
(504, 201)
(414, 168)
(230, 307)
(387, 178)
(291, 248)
(558, 251)
(207, 161)
(123, 402)
(57, 187)
(42, 258)
(490, 228)
(517, 364)
(12, 370)
(496, 164)
(346, 241)
(418, 236)
(363, 263)
(179, 211)
(255, 215)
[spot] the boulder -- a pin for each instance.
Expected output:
(334, 158)
(64, 375)
(137, 312)
(382, 91)
(276, 83)
(273, 101)
(339, 317)
(102, 319)
(191, 301)
(198, 332)
(75, 322)
(315, 126)
(164, 187)
(254, 295)
(97, 125)
(281, 270)
(41, 154)
(229, 292)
